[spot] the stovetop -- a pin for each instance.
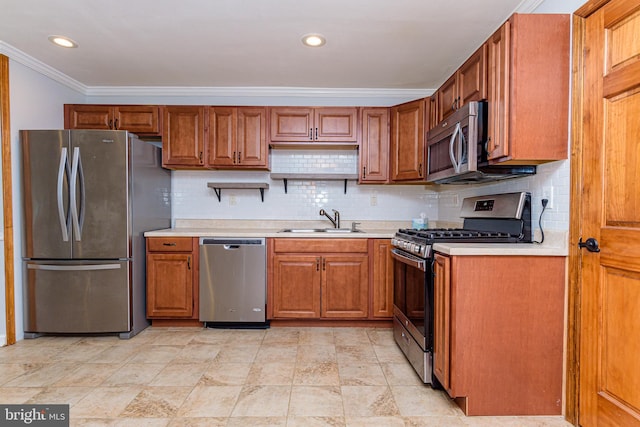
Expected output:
(499, 218)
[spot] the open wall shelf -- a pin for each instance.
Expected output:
(218, 186)
(316, 177)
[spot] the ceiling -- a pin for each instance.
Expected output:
(378, 44)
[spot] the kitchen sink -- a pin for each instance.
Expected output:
(319, 230)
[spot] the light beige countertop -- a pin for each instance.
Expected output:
(555, 243)
(272, 228)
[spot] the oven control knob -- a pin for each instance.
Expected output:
(418, 249)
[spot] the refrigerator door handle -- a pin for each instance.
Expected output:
(77, 215)
(63, 169)
(56, 267)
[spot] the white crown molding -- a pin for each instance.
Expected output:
(528, 6)
(254, 92)
(40, 67)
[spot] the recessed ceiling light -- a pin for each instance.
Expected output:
(62, 41)
(313, 40)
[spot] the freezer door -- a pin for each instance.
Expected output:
(76, 298)
(99, 194)
(46, 172)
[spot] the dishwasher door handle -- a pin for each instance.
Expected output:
(231, 247)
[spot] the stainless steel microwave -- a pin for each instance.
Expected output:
(457, 150)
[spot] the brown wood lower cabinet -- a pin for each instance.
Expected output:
(172, 285)
(318, 279)
(498, 332)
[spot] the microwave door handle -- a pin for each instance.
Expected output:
(452, 155)
(462, 143)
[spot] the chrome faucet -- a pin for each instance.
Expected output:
(335, 220)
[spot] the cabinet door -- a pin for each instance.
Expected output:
(447, 98)
(335, 125)
(442, 321)
(433, 111)
(498, 92)
(140, 119)
(88, 117)
(183, 137)
(221, 142)
(169, 285)
(345, 286)
(407, 141)
(472, 78)
(252, 147)
(381, 278)
(374, 147)
(296, 286)
(291, 124)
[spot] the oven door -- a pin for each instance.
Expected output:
(413, 312)
(412, 297)
(452, 146)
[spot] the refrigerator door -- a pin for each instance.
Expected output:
(99, 194)
(46, 173)
(75, 297)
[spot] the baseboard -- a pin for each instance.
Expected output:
(3, 340)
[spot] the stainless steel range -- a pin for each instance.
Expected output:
(498, 218)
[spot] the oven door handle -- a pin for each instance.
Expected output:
(416, 262)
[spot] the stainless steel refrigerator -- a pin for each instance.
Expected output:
(89, 196)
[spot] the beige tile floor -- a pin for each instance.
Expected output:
(206, 377)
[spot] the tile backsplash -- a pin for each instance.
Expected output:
(192, 199)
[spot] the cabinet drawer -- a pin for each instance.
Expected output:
(320, 245)
(170, 244)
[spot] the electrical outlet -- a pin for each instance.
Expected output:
(373, 200)
(547, 193)
(232, 200)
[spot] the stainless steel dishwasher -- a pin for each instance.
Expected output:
(233, 282)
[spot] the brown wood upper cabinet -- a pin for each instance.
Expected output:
(139, 119)
(237, 138)
(528, 89)
(468, 83)
(408, 140)
(374, 145)
(183, 137)
(311, 125)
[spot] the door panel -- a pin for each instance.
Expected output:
(610, 200)
(103, 210)
(46, 196)
(252, 136)
(77, 298)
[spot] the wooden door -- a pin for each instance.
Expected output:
(374, 147)
(498, 49)
(334, 124)
(169, 285)
(139, 119)
(296, 286)
(221, 142)
(472, 78)
(381, 278)
(251, 131)
(291, 124)
(345, 286)
(447, 96)
(609, 200)
(88, 117)
(183, 136)
(442, 320)
(407, 141)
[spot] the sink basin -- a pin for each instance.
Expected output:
(319, 230)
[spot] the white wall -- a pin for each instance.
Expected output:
(36, 103)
